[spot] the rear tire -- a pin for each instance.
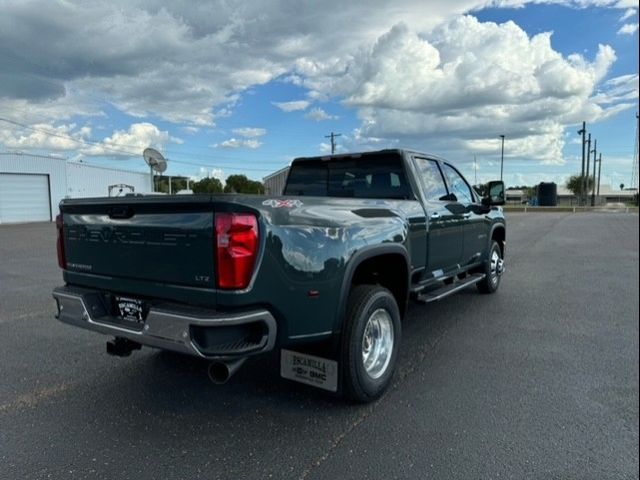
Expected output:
(370, 341)
(493, 269)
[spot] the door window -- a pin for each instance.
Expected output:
(458, 185)
(434, 186)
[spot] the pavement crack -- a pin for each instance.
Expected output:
(401, 374)
(337, 441)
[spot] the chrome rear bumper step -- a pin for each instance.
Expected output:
(169, 326)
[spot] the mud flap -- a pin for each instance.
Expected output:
(309, 369)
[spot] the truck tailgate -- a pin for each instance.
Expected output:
(160, 242)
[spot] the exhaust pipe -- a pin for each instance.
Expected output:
(220, 372)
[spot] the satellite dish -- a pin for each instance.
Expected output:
(155, 160)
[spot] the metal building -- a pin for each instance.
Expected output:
(32, 186)
(93, 181)
(275, 182)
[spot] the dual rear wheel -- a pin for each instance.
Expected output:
(370, 342)
(371, 333)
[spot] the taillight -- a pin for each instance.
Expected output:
(62, 260)
(236, 249)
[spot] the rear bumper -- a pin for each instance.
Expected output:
(194, 331)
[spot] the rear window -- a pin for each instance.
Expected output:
(376, 176)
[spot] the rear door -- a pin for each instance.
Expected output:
(475, 224)
(445, 237)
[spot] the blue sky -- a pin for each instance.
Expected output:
(240, 90)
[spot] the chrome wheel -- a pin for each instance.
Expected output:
(497, 266)
(377, 343)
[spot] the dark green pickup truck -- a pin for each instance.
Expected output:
(323, 272)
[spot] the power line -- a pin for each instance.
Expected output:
(67, 137)
(124, 146)
(124, 152)
(183, 151)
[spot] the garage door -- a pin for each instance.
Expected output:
(24, 198)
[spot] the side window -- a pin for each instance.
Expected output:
(458, 185)
(431, 179)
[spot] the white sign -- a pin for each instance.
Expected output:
(315, 371)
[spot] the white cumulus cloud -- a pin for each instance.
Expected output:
(130, 142)
(318, 114)
(250, 132)
(418, 72)
(43, 136)
(628, 29)
(630, 12)
(251, 143)
(466, 83)
(292, 106)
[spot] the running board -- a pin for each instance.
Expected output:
(447, 290)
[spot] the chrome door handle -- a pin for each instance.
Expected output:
(435, 215)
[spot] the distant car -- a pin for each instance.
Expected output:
(323, 272)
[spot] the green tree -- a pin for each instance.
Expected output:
(575, 184)
(241, 184)
(207, 185)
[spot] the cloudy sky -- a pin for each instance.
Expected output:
(226, 87)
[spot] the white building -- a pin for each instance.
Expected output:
(31, 186)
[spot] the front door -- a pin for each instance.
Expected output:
(445, 236)
(475, 223)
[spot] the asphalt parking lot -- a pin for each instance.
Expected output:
(537, 381)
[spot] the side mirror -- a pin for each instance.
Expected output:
(496, 194)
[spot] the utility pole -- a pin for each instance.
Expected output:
(593, 191)
(582, 132)
(585, 192)
(333, 141)
(599, 171)
(502, 157)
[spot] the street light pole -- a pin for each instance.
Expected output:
(502, 157)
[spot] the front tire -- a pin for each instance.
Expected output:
(493, 269)
(370, 341)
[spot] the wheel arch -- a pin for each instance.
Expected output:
(499, 234)
(385, 258)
